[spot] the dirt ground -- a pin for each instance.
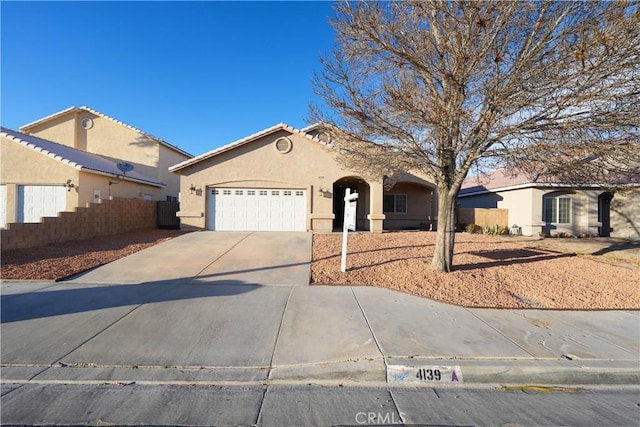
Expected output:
(56, 261)
(489, 271)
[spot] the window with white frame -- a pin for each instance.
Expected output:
(557, 210)
(395, 203)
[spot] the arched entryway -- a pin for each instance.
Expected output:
(356, 185)
(604, 214)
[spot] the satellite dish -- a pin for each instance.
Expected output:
(125, 167)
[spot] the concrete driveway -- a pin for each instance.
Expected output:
(257, 258)
(220, 308)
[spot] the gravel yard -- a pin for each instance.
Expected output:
(59, 260)
(489, 272)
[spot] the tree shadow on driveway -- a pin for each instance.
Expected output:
(79, 298)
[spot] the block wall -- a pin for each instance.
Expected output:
(118, 215)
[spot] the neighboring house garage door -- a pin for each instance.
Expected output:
(257, 209)
(37, 201)
(3, 205)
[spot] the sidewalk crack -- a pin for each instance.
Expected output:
(275, 345)
(366, 319)
(218, 258)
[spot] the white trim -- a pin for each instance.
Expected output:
(47, 118)
(541, 184)
(99, 114)
(75, 165)
(557, 197)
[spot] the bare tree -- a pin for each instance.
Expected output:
(442, 86)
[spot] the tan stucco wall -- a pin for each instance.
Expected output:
(259, 164)
(308, 166)
(120, 188)
(625, 215)
(61, 129)
(421, 207)
(526, 209)
(168, 158)
(20, 165)
(116, 142)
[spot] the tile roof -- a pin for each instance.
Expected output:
(243, 141)
(97, 113)
(505, 179)
(78, 159)
(500, 178)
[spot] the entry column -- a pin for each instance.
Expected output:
(376, 216)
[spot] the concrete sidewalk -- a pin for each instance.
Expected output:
(192, 332)
(236, 308)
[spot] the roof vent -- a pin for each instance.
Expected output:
(86, 123)
(324, 137)
(283, 145)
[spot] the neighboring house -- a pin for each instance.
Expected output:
(88, 130)
(287, 179)
(40, 178)
(555, 207)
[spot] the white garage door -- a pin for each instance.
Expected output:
(36, 201)
(3, 205)
(256, 209)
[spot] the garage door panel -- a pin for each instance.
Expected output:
(249, 209)
(3, 205)
(37, 201)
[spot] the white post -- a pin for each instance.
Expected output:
(345, 232)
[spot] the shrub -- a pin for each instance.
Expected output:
(473, 228)
(495, 230)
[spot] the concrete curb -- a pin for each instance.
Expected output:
(357, 372)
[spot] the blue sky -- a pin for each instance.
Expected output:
(196, 74)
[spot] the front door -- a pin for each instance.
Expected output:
(604, 214)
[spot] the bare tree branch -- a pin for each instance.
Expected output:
(440, 87)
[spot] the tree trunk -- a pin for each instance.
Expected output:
(445, 237)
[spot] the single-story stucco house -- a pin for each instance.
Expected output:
(555, 207)
(71, 158)
(283, 178)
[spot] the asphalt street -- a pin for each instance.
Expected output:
(132, 404)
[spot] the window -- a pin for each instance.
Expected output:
(251, 192)
(214, 192)
(299, 193)
(226, 192)
(275, 193)
(557, 210)
(287, 193)
(239, 192)
(395, 203)
(263, 192)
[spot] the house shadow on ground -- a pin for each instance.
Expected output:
(83, 298)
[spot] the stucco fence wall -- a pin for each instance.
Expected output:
(483, 216)
(118, 215)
